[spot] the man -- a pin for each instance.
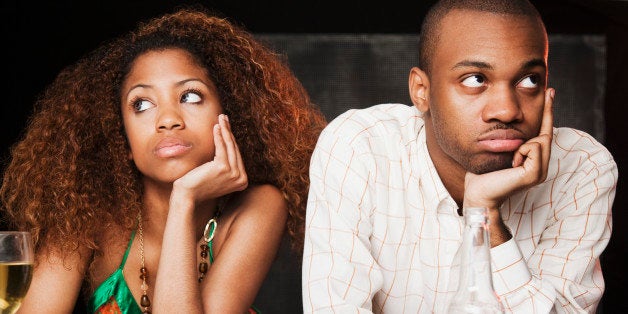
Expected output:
(388, 183)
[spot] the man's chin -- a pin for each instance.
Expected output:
(494, 163)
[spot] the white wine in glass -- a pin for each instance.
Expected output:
(16, 269)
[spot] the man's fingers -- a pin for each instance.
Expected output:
(547, 124)
(544, 138)
(547, 129)
(532, 162)
(517, 159)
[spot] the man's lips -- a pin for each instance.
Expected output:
(500, 141)
(172, 147)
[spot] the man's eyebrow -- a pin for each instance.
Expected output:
(534, 63)
(472, 64)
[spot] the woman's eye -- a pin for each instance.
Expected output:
(473, 81)
(191, 97)
(531, 81)
(141, 105)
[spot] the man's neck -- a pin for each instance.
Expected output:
(450, 172)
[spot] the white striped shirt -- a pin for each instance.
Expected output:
(382, 230)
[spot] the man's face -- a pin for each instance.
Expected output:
(486, 89)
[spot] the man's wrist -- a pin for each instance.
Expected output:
(498, 231)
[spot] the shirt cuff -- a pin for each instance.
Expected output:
(510, 270)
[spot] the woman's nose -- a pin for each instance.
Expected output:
(169, 119)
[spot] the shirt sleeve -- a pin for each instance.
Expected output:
(563, 274)
(339, 273)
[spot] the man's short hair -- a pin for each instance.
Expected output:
(428, 38)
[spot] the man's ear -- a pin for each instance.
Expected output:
(419, 85)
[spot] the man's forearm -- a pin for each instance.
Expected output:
(497, 230)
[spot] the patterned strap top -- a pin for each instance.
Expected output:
(114, 295)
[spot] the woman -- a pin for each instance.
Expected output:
(160, 171)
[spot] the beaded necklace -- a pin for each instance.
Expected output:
(207, 248)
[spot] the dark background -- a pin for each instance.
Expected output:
(39, 39)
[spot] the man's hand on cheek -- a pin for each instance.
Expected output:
(530, 163)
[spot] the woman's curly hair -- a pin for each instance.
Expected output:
(70, 177)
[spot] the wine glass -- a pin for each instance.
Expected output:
(16, 269)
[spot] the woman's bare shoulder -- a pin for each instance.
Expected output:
(261, 203)
(259, 194)
(258, 210)
(113, 245)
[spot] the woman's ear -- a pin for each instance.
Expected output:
(419, 85)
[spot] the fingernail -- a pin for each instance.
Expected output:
(226, 117)
(552, 93)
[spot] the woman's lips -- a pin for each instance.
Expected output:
(172, 147)
(500, 141)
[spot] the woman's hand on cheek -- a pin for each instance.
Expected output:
(221, 176)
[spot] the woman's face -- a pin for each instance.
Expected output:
(169, 108)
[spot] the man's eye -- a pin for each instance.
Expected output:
(141, 105)
(191, 97)
(474, 81)
(531, 81)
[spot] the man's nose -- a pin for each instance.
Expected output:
(503, 105)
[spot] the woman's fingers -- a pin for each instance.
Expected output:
(230, 143)
(219, 143)
(233, 159)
